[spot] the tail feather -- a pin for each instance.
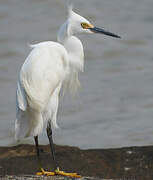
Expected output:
(28, 124)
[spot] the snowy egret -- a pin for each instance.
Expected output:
(50, 67)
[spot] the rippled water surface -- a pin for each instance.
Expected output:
(114, 106)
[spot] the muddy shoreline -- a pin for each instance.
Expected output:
(123, 163)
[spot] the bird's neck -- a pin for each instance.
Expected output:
(63, 34)
(75, 52)
(73, 46)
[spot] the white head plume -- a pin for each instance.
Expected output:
(69, 8)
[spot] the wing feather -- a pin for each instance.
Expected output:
(44, 69)
(21, 97)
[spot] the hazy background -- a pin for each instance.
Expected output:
(114, 106)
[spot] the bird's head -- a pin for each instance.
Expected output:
(78, 24)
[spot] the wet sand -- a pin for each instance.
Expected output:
(126, 163)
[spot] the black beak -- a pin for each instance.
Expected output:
(102, 31)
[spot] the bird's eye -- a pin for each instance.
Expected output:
(84, 25)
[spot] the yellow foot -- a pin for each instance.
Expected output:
(62, 173)
(47, 173)
(57, 172)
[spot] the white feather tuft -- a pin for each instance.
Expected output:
(72, 83)
(69, 8)
(32, 45)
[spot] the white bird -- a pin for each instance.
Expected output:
(50, 67)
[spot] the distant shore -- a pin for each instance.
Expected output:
(132, 163)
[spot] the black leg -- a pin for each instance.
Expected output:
(38, 150)
(49, 134)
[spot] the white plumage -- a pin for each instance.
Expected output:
(40, 80)
(49, 67)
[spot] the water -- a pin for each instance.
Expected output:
(114, 106)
